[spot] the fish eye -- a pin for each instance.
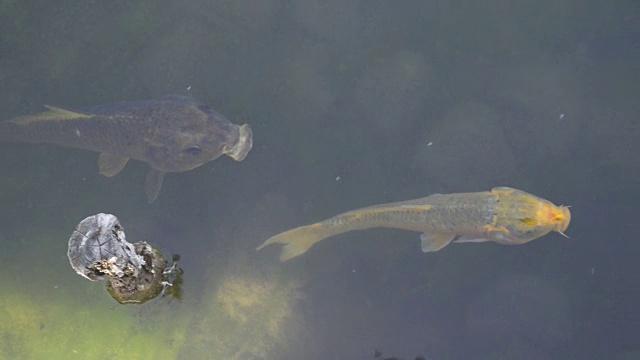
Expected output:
(193, 150)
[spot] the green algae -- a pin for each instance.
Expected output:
(48, 312)
(246, 317)
(41, 327)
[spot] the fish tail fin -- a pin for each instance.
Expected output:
(297, 241)
(21, 129)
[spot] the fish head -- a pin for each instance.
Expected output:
(194, 134)
(526, 217)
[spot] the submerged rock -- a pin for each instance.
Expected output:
(135, 273)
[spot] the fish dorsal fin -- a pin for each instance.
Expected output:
(110, 164)
(503, 190)
(153, 183)
(53, 113)
(435, 242)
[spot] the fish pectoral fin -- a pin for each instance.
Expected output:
(110, 164)
(470, 239)
(503, 237)
(435, 242)
(153, 184)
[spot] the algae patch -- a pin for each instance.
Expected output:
(247, 318)
(35, 327)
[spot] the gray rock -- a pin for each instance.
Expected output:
(98, 249)
(135, 273)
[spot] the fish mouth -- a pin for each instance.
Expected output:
(561, 227)
(243, 145)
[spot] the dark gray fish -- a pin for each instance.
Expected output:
(172, 134)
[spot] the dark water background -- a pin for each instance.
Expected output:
(352, 103)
